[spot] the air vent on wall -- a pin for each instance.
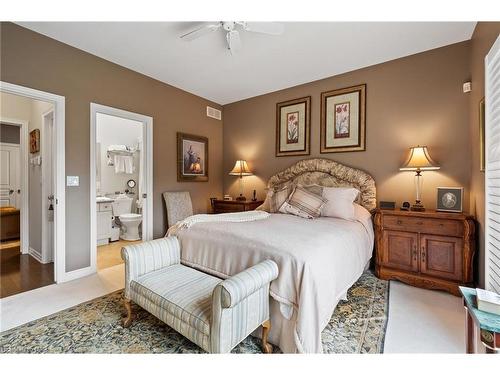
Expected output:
(214, 113)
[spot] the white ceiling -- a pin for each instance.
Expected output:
(303, 53)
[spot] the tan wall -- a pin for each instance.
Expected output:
(412, 100)
(483, 38)
(33, 60)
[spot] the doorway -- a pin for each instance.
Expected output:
(121, 182)
(35, 120)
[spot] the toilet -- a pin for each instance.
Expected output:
(129, 222)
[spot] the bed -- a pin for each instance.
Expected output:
(318, 259)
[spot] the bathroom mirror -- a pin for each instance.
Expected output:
(131, 183)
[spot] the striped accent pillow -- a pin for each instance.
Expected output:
(305, 204)
(278, 196)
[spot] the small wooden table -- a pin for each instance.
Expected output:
(487, 323)
(221, 206)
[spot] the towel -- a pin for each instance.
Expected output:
(124, 164)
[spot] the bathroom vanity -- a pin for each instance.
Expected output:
(104, 219)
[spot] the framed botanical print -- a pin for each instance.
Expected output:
(34, 141)
(192, 158)
(482, 156)
(293, 129)
(343, 114)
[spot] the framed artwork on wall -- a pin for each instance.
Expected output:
(343, 114)
(192, 158)
(482, 156)
(34, 141)
(293, 129)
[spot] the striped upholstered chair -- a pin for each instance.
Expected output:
(215, 314)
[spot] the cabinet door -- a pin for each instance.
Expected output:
(103, 225)
(441, 256)
(399, 250)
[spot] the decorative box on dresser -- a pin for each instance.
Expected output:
(220, 206)
(426, 249)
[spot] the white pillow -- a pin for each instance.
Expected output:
(340, 202)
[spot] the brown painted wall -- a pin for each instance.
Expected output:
(33, 60)
(412, 100)
(483, 38)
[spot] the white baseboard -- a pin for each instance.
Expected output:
(35, 254)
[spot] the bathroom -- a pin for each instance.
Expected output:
(119, 161)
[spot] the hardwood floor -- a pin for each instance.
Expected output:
(21, 272)
(110, 255)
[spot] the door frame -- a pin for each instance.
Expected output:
(45, 258)
(23, 178)
(58, 102)
(147, 173)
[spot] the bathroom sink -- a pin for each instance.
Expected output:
(104, 200)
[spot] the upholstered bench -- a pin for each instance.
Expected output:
(215, 314)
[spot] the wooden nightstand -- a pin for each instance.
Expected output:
(222, 206)
(427, 249)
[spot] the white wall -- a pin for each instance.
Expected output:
(112, 130)
(21, 108)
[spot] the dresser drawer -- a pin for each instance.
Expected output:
(424, 225)
(229, 207)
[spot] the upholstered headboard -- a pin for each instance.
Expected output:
(326, 172)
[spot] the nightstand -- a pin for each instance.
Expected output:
(429, 249)
(222, 206)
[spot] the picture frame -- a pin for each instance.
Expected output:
(450, 199)
(293, 127)
(34, 141)
(482, 156)
(343, 120)
(192, 158)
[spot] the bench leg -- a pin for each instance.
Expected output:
(266, 347)
(127, 320)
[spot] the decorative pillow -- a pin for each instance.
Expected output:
(304, 203)
(278, 196)
(315, 189)
(340, 202)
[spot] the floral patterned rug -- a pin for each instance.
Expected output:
(357, 326)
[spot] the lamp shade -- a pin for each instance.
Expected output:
(240, 169)
(419, 160)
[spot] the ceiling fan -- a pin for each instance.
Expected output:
(232, 34)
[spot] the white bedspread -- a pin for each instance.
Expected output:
(318, 261)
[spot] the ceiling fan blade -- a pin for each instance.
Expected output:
(271, 28)
(201, 31)
(233, 41)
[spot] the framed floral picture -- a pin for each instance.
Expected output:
(343, 114)
(34, 141)
(192, 158)
(482, 156)
(293, 130)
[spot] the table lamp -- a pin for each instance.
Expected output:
(241, 169)
(419, 161)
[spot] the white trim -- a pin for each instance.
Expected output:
(46, 258)
(147, 173)
(493, 54)
(23, 150)
(58, 102)
(35, 254)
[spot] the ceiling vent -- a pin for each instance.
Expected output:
(214, 113)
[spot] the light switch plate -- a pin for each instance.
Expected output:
(72, 180)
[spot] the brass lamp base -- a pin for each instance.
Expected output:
(241, 198)
(418, 207)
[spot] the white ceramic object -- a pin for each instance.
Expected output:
(129, 222)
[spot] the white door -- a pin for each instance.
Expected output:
(492, 182)
(10, 164)
(48, 203)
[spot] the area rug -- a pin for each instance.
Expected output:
(357, 326)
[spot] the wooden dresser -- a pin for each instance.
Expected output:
(427, 249)
(222, 206)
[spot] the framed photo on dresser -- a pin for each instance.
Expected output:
(293, 129)
(343, 114)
